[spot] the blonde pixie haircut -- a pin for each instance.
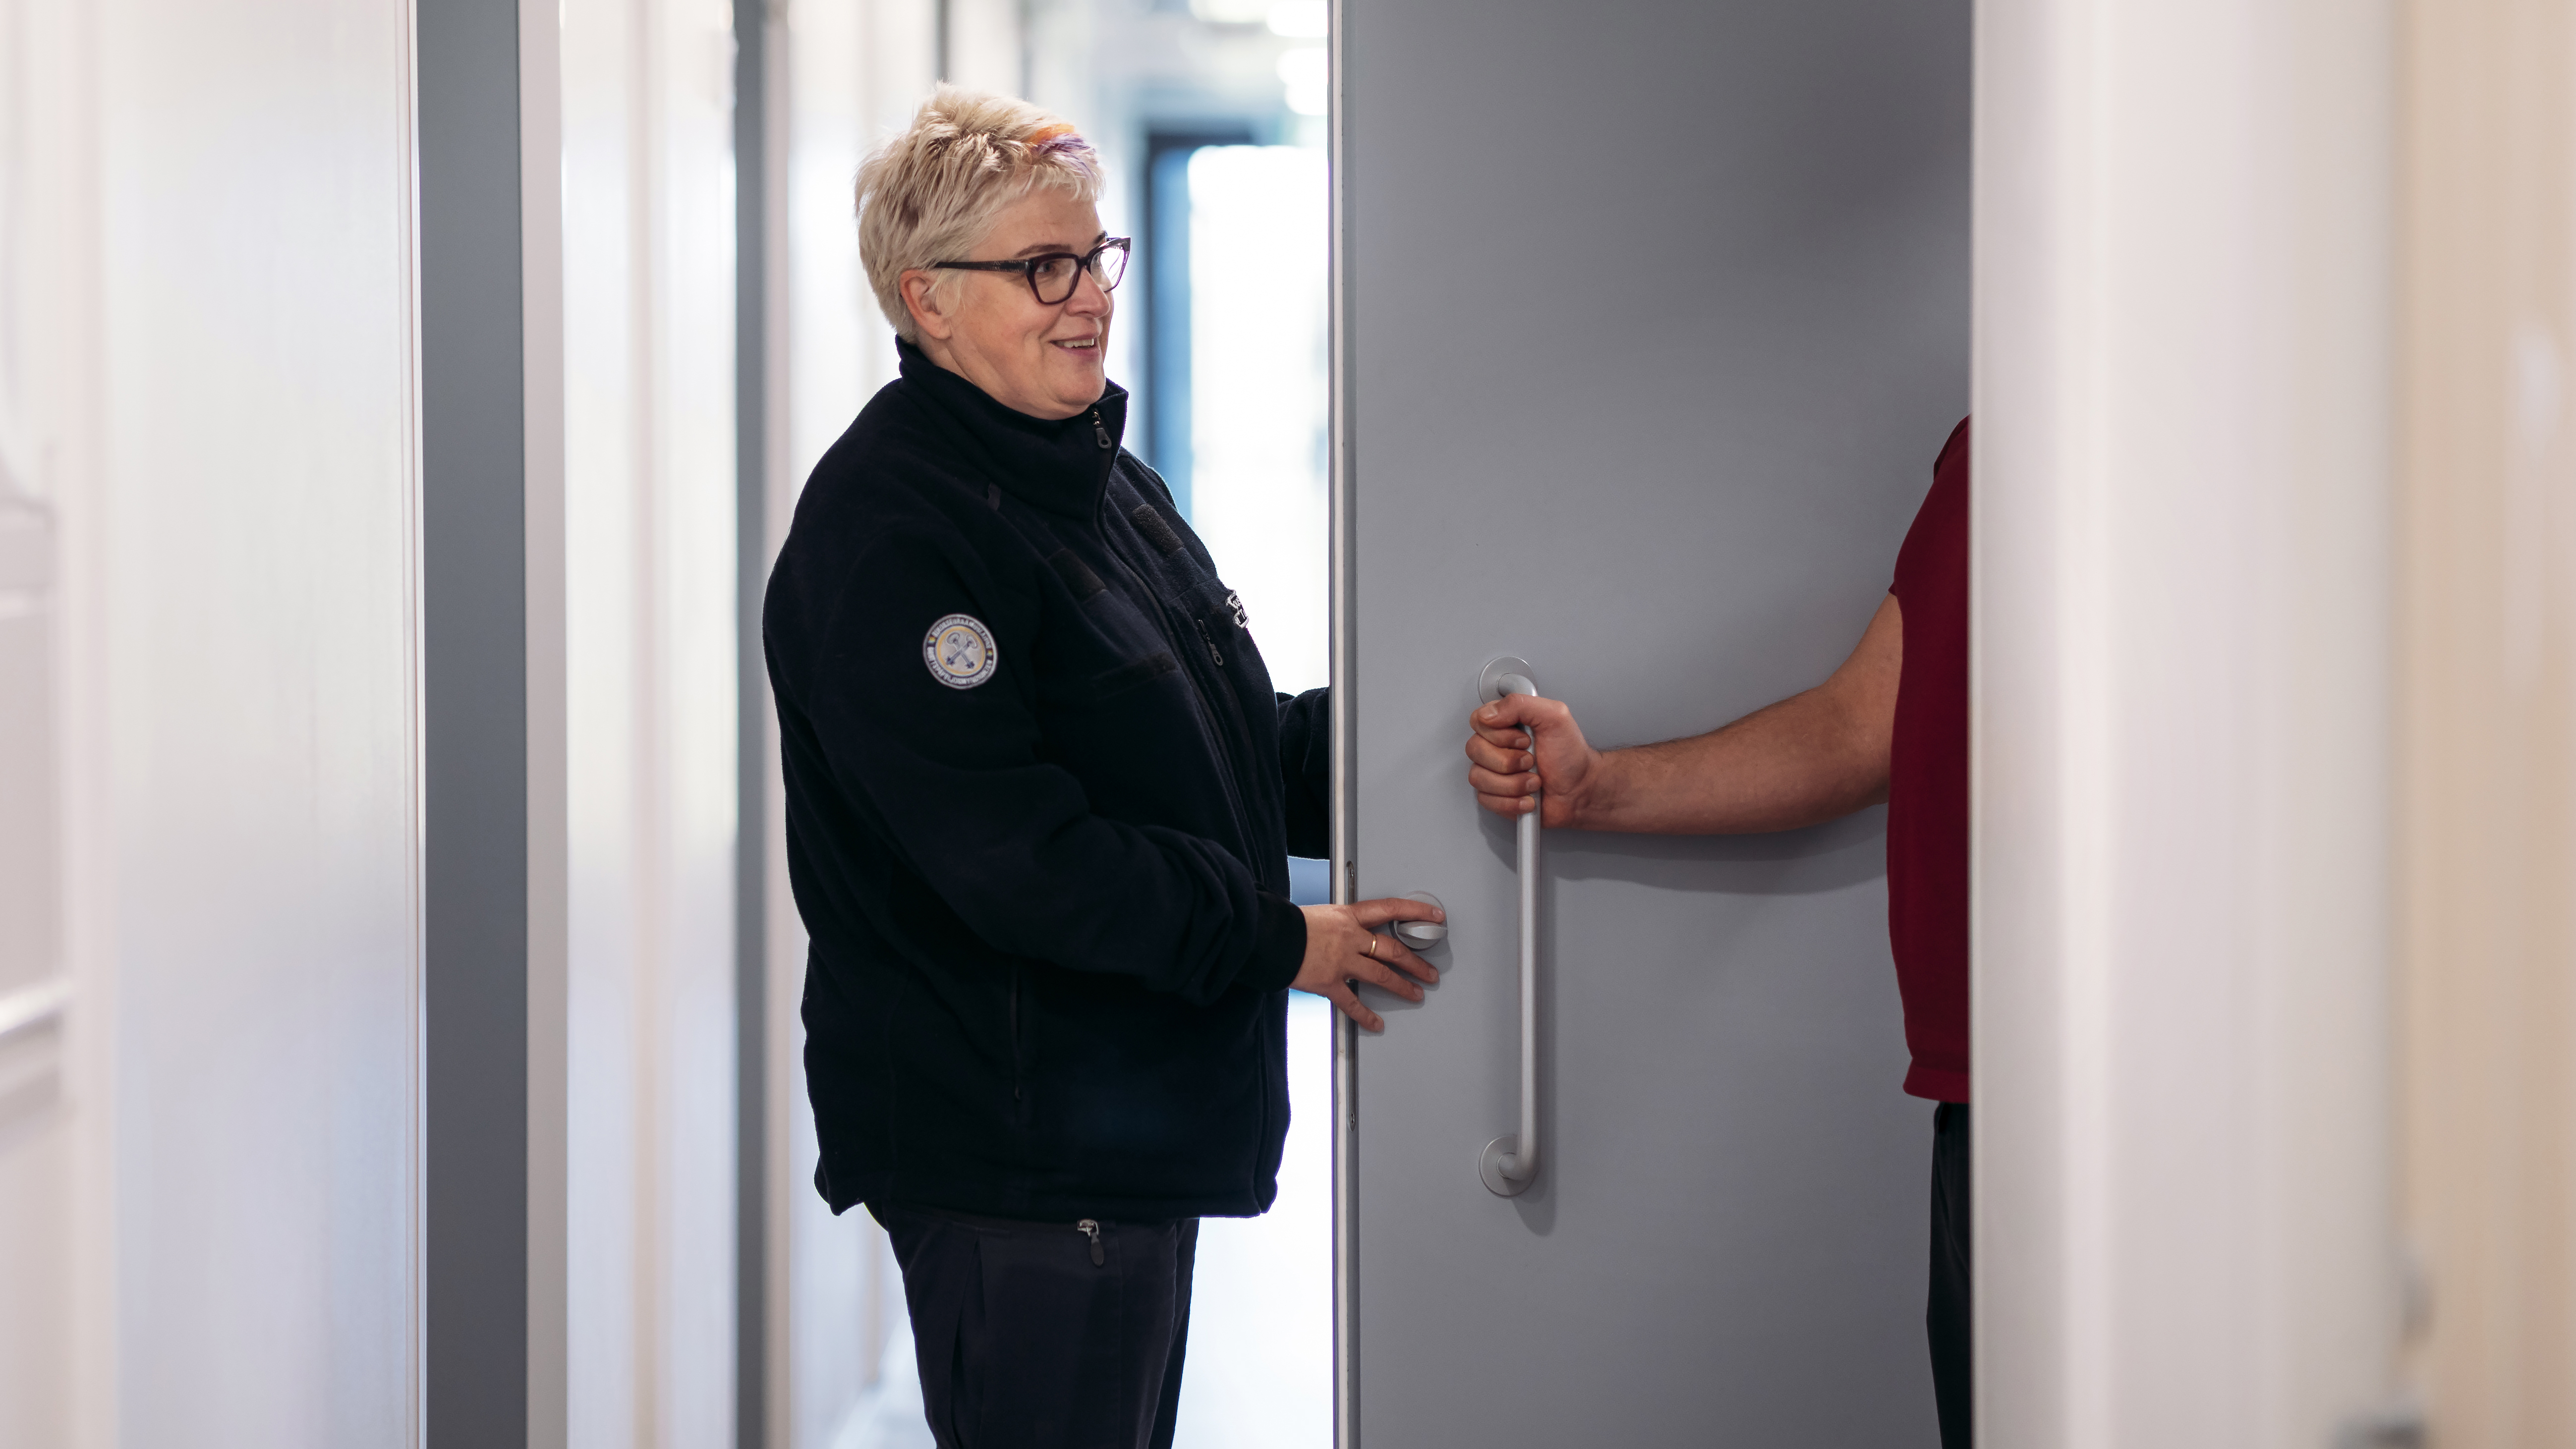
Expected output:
(930, 194)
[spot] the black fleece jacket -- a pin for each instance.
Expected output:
(1040, 798)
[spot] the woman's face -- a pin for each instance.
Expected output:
(990, 329)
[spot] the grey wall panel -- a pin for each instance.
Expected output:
(757, 31)
(475, 677)
(1655, 316)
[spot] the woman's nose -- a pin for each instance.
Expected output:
(1089, 298)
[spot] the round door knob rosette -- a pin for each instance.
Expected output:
(1422, 935)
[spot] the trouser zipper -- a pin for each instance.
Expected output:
(1090, 1228)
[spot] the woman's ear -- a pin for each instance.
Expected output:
(922, 301)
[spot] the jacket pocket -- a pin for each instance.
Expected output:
(1127, 676)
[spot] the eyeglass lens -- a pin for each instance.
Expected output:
(1053, 277)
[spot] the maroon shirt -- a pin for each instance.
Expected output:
(1927, 785)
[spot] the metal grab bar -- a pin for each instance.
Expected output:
(1510, 1164)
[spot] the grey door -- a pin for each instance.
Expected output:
(1652, 316)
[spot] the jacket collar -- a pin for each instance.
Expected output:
(1060, 465)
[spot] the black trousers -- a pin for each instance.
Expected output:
(1947, 1317)
(1048, 1335)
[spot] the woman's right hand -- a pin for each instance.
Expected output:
(1343, 947)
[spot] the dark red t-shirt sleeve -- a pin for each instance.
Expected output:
(1927, 788)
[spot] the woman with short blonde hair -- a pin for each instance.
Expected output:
(935, 189)
(1040, 798)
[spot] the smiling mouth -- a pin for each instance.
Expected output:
(1078, 344)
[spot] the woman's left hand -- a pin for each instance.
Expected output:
(1343, 948)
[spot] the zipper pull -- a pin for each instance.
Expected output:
(1090, 1228)
(1100, 430)
(1210, 641)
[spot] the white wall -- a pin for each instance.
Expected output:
(855, 71)
(52, 1352)
(210, 755)
(2181, 710)
(648, 421)
(2487, 810)
(985, 46)
(205, 291)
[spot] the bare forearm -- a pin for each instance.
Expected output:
(1796, 763)
(1807, 759)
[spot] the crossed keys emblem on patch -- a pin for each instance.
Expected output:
(959, 651)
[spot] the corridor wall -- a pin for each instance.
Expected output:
(851, 73)
(208, 645)
(2487, 650)
(649, 674)
(217, 598)
(846, 75)
(2182, 678)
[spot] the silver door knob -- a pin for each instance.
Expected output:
(1423, 935)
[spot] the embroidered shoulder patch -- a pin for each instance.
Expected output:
(959, 651)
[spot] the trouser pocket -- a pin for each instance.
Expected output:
(1046, 1335)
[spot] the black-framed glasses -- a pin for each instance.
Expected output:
(1053, 275)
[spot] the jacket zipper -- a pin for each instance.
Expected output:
(1207, 708)
(1090, 1228)
(1223, 682)
(1216, 656)
(1225, 749)
(1016, 1077)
